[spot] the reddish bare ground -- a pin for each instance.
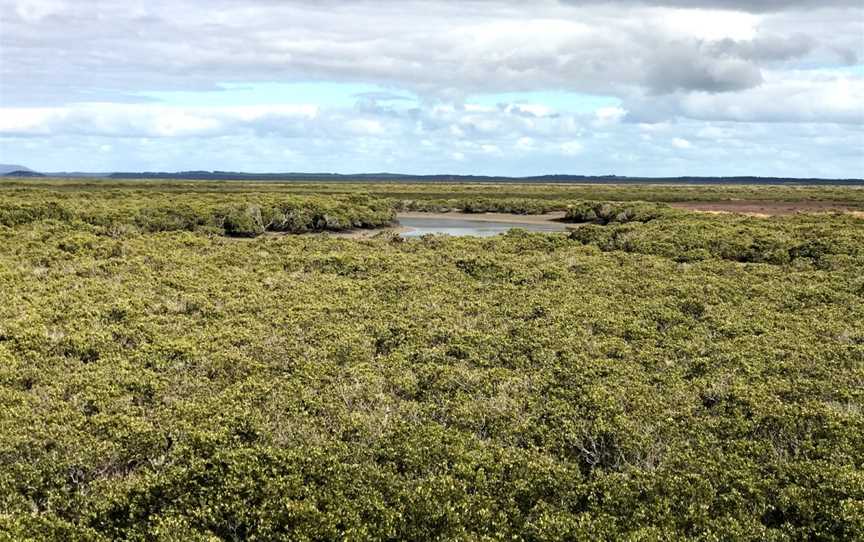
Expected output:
(764, 208)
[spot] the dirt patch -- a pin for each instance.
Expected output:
(763, 208)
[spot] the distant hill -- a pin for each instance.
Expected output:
(77, 174)
(21, 171)
(397, 177)
(9, 168)
(24, 173)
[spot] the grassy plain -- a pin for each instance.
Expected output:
(655, 375)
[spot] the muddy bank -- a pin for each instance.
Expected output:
(412, 224)
(348, 234)
(764, 208)
(506, 218)
(483, 224)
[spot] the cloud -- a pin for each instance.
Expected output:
(427, 80)
(57, 52)
(755, 6)
(610, 114)
(531, 110)
(841, 101)
(365, 127)
(802, 96)
(571, 148)
(681, 143)
(766, 48)
(152, 121)
(688, 68)
(525, 144)
(324, 143)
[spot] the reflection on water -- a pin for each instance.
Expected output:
(476, 228)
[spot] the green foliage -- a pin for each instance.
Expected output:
(118, 212)
(16, 214)
(642, 380)
(437, 197)
(600, 212)
(482, 204)
(243, 222)
(803, 240)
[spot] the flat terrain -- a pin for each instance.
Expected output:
(655, 374)
(765, 208)
(544, 218)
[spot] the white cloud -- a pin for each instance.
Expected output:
(681, 143)
(32, 11)
(525, 144)
(795, 97)
(609, 115)
(150, 121)
(324, 144)
(366, 126)
(712, 24)
(714, 76)
(535, 110)
(571, 148)
(88, 50)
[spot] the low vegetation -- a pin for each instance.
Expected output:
(441, 196)
(599, 212)
(482, 204)
(653, 375)
(149, 212)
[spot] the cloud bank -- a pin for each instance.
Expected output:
(105, 72)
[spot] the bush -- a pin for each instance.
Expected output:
(124, 213)
(175, 385)
(243, 222)
(609, 212)
(691, 237)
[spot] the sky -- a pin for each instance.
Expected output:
(493, 87)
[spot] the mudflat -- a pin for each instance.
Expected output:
(765, 208)
(489, 217)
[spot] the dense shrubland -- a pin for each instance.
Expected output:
(851, 196)
(482, 204)
(246, 216)
(577, 211)
(804, 241)
(522, 199)
(641, 380)
(603, 212)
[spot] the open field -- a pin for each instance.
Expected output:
(174, 365)
(767, 208)
(555, 216)
(846, 197)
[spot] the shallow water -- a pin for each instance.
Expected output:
(475, 228)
